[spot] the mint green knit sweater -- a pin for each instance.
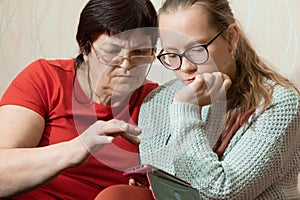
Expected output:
(262, 160)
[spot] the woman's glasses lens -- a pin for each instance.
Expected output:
(138, 57)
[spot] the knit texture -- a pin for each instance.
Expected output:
(261, 161)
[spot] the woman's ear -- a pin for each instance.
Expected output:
(233, 37)
(85, 57)
(85, 51)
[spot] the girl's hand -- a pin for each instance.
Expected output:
(207, 88)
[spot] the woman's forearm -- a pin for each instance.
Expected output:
(24, 169)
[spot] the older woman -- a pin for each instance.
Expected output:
(57, 113)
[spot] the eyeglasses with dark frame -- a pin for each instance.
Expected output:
(115, 59)
(197, 55)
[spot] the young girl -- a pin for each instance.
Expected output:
(229, 124)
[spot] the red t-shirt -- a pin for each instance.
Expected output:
(51, 89)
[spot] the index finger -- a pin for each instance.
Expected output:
(130, 138)
(127, 131)
(130, 132)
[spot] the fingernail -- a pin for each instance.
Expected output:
(109, 138)
(137, 129)
(137, 141)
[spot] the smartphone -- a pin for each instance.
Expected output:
(139, 174)
(140, 169)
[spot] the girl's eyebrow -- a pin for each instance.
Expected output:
(171, 49)
(192, 41)
(186, 46)
(198, 41)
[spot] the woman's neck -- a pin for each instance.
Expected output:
(101, 96)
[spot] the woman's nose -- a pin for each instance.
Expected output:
(126, 62)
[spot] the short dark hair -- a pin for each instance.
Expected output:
(112, 17)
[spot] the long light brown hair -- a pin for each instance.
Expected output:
(250, 85)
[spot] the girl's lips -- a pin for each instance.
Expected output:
(190, 80)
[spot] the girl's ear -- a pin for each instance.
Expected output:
(233, 37)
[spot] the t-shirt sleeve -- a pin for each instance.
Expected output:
(30, 88)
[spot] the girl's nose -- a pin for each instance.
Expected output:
(187, 66)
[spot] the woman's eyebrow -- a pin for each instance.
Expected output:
(113, 45)
(117, 45)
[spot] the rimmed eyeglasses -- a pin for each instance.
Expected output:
(139, 57)
(197, 55)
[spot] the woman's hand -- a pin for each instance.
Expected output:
(103, 132)
(133, 182)
(205, 89)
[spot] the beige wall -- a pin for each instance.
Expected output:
(30, 29)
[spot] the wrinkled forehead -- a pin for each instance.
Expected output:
(132, 39)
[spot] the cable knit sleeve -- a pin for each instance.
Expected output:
(260, 162)
(260, 154)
